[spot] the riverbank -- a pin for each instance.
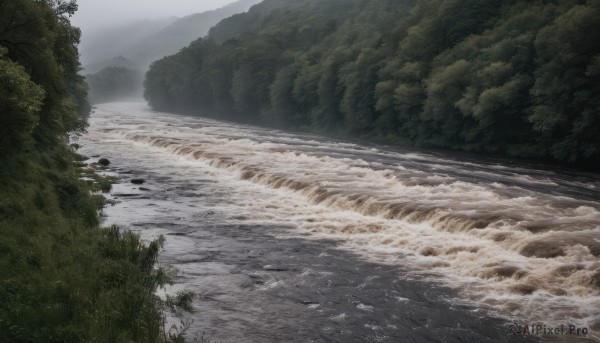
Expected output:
(63, 278)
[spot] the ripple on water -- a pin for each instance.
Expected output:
(522, 242)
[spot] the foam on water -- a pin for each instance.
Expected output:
(522, 242)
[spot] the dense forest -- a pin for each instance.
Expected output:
(516, 77)
(62, 279)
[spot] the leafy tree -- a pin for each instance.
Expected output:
(567, 106)
(21, 101)
(283, 105)
(39, 37)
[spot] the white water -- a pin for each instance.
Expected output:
(524, 243)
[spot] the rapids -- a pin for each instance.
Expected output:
(358, 242)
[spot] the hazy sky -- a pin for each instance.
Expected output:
(93, 14)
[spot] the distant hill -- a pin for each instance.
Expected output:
(181, 33)
(114, 84)
(144, 42)
(118, 61)
(98, 47)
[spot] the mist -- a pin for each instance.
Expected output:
(95, 15)
(120, 40)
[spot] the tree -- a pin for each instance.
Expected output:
(567, 105)
(21, 101)
(45, 45)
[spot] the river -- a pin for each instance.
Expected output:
(289, 237)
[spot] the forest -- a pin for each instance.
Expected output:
(62, 278)
(516, 77)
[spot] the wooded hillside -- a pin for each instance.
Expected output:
(516, 77)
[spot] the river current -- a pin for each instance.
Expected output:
(293, 237)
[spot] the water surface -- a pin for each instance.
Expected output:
(290, 237)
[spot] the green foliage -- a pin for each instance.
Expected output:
(182, 301)
(512, 77)
(21, 101)
(566, 104)
(62, 279)
(37, 36)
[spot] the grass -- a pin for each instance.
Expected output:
(64, 279)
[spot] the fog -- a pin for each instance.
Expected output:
(95, 14)
(129, 35)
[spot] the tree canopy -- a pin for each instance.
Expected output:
(509, 77)
(41, 83)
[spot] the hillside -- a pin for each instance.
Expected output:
(241, 23)
(146, 41)
(181, 33)
(98, 48)
(119, 61)
(517, 78)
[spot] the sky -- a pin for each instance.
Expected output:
(95, 14)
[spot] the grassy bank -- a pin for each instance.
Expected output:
(63, 279)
